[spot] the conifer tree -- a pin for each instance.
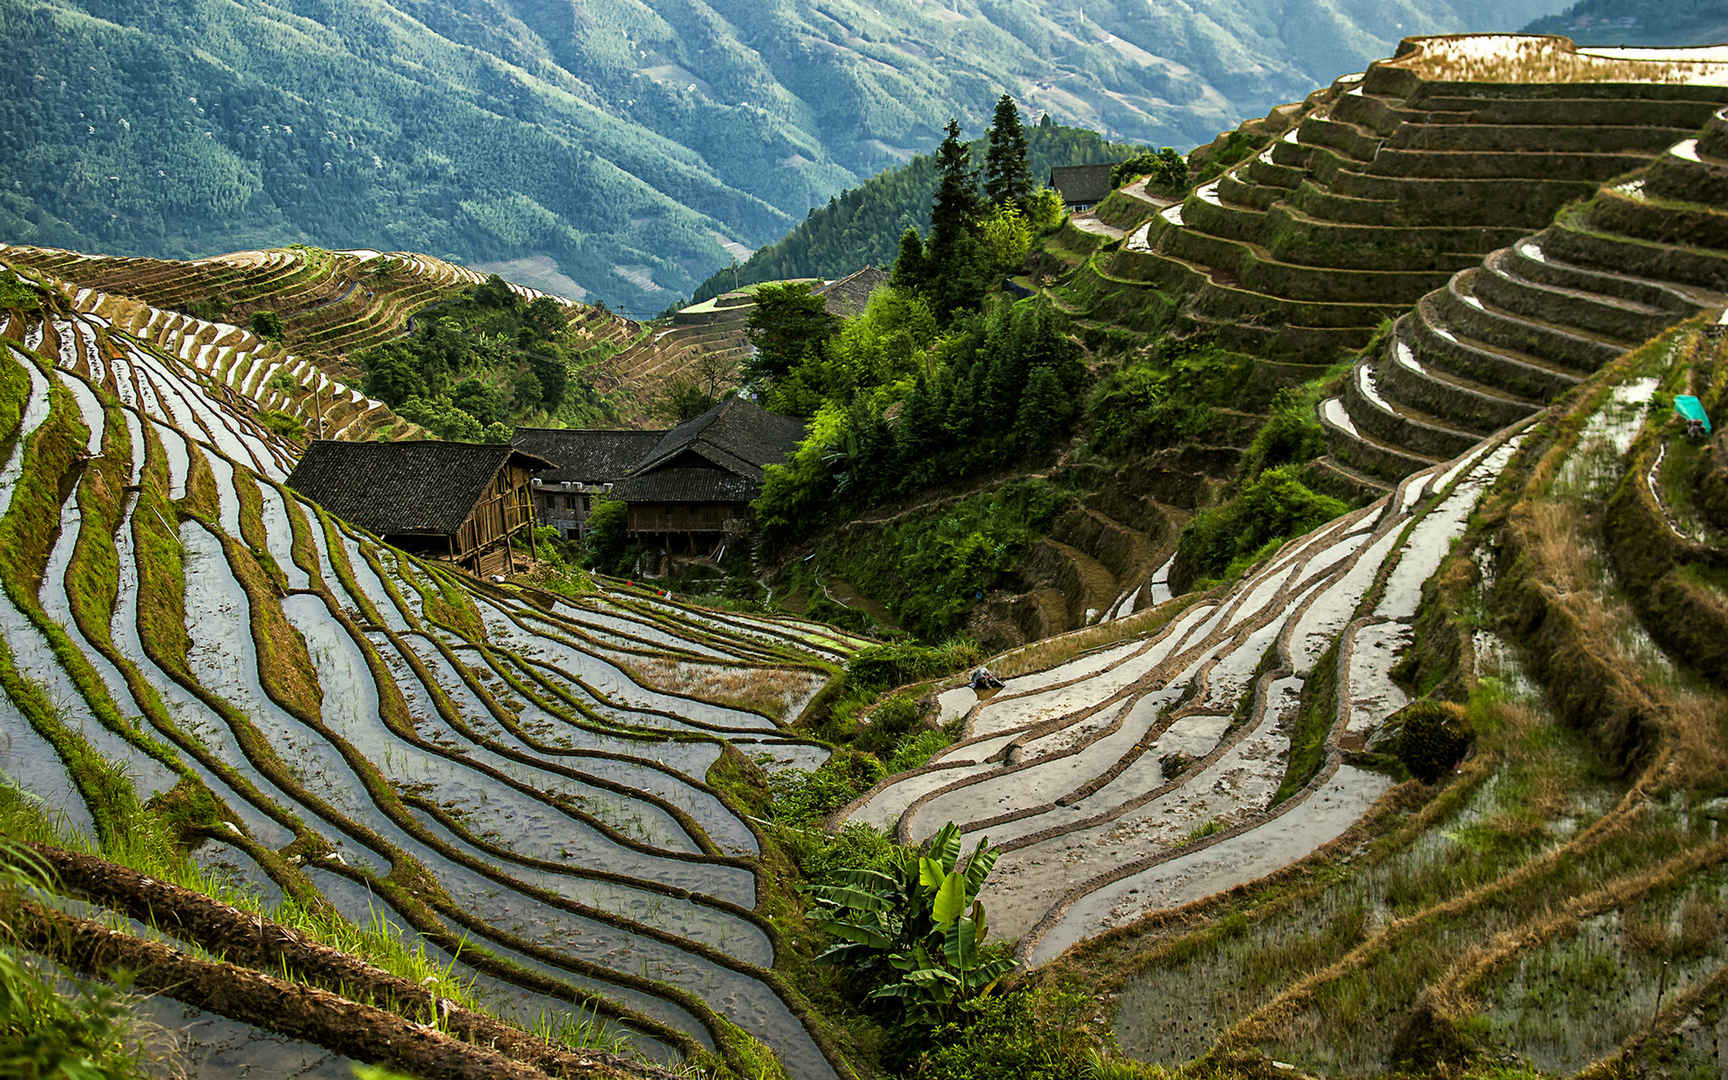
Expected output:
(954, 213)
(909, 272)
(1007, 176)
(1043, 407)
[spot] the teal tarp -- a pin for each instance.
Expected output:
(1690, 408)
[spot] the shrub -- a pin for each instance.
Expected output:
(890, 720)
(1275, 506)
(267, 325)
(1026, 1034)
(608, 522)
(804, 799)
(1430, 738)
(289, 427)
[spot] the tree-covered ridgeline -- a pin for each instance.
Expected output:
(474, 367)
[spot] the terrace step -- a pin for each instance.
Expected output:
(1397, 423)
(1330, 476)
(1625, 322)
(1436, 344)
(1364, 452)
(1454, 400)
(1581, 351)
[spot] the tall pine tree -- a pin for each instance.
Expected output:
(955, 211)
(1007, 176)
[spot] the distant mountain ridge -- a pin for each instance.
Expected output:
(1639, 22)
(629, 142)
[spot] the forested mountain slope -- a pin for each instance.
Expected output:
(624, 142)
(1638, 22)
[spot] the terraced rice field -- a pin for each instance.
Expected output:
(1164, 769)
(1504, 338)
(1390, 182)
(333, 305)
(517, 780)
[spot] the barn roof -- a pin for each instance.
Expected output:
(1082, 183)
(585, 455)
(680, 484)
(736, 435)
(399, 488)
(850, 295)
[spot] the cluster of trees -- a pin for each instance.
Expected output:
(898, 403)
(473, 365)
(930, 384)
(864, 225)
(976, 236)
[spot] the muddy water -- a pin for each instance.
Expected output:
(29, 762)
(35, 412)
(720, 824)
(609, 679)
(693, 920)
(36, 661)
(207, 1046)
(529, 826)
(640, 820)
(148, 775)
(525, 1008)
(188, 712)
(239, 870)
(223, 661)
(1319, 819)
(279, 536)
(179, 459)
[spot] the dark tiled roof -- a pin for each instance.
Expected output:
(395, 488)
(1082, 183)
(583, 456)
(737, 435)
(850, 295)
(681, 484)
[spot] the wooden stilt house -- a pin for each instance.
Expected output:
(472, 503)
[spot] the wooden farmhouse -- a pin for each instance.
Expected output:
(700, 478)
(686, 488)
(586, 463)
(472, 503)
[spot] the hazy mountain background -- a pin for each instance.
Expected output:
(1640, 22)
(619, 150)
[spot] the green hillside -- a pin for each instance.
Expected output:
(862, 226)
(615, 146)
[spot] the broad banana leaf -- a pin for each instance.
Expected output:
(944, 847)
(860, 933)
(978, 866)
(960, 945)
(844, 896)
(950, 901)
(931, 873)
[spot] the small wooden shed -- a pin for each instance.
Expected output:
(468, 502)
(1081, 186)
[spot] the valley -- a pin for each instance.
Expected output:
(1333, 520)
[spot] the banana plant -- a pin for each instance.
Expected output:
(918, 929)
